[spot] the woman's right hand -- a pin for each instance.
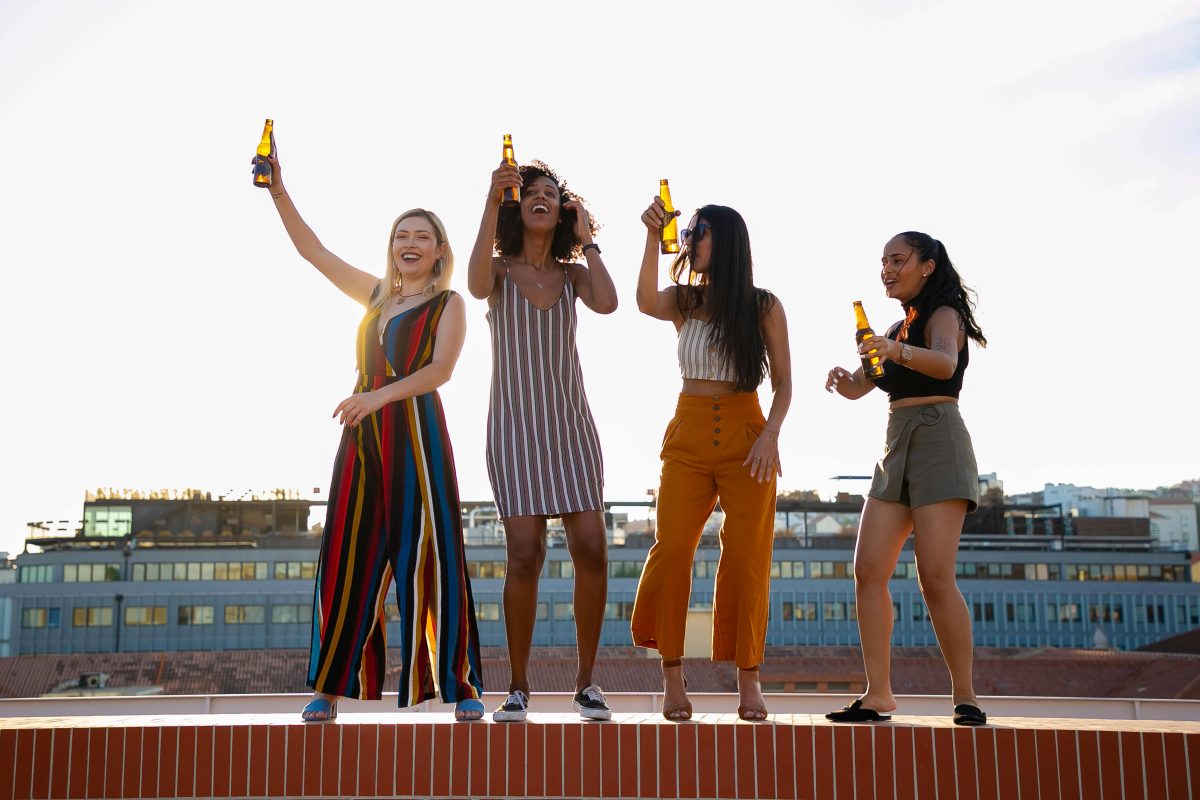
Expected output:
(506, 176)
(840, 380)
(276, 171)
(656, 216)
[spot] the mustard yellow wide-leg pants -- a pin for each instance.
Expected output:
(702, 457)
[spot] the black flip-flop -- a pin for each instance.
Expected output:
(967, 714)
(856, 713)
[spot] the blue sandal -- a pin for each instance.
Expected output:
(468, 710)
(319, 705)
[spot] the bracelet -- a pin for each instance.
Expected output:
(591, 246)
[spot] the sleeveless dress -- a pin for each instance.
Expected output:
(394, 511)
(543, 452)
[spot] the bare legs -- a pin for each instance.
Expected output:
(939, 527)
(882, 531)
(526, 545)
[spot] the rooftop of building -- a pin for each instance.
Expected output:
(1038, 672)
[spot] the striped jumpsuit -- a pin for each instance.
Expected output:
(394, 511)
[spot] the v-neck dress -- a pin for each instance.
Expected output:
(543, 452)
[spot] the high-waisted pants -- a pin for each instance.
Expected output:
(394, 510)
(702, 454)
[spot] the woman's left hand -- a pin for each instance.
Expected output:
(763, 459)
(357, 407)
(583, 226)
(885, 349)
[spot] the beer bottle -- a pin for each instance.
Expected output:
(872, 366)
(512, 196)
(669, 235)
(262, 169)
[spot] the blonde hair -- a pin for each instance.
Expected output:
(391, 283)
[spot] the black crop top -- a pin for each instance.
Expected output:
(900, 382)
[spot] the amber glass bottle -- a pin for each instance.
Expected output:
(262, 168)
(670, 232)
(872, 366)
(511, 196)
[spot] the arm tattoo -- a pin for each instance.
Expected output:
(943, 345)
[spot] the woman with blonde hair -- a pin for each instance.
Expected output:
(393, 500)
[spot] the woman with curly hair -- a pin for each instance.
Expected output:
(543, 452)
(732, 335)
(394, 509)
(927, 481)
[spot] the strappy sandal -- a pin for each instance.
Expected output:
(856, 713)
(319, 705)
(468, 710)
(752, 713)
(680, 712)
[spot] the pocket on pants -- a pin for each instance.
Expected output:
(672, 430)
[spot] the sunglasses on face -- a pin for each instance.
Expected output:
(694, 235)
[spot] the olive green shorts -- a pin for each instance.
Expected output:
(928, 458)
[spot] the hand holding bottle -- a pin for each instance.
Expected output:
(656, 216)
(506, 176)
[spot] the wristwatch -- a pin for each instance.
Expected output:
(905, 354)
(591, 246)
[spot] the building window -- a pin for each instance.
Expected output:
(1020, 612)
(487, 612)
(91, 573)
(620, 610)
(195, 615)
(624, 569)
(984, 612)
(543, 611)
(1063, 612)
(245, 615)
(564, 611)
(295, 570)
(806, 612)
(560, 569)
(391, 612)
(107, 520)
(40, 617)
(38, 573)
(292, 614)
(486, 569)
(91, 617)
(1151, 613)
(136, 616)
(918, 611)
(1104, 613)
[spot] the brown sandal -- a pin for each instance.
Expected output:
(683, 711)
(752, 713)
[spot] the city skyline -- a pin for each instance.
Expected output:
(166, 334)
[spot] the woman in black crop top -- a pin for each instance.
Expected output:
(927, 479)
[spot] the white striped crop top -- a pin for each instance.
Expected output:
(698, 358)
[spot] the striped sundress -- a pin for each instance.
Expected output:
(394, 510)
(543, 452)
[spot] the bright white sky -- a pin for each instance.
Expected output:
(159, 330)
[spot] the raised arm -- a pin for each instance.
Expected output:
(939, 358)
(593, 284)
(763, 458)
(451, 333)
(650, 300)
(482, 273)
(351, 280)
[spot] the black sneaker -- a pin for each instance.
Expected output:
(591, 704)
(514, 709)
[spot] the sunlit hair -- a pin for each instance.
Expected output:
(392, 282)
(944, 287)
(726, 292)
(510, 230)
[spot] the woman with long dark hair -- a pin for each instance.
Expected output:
(732, 335)
(394, 509)
(543, 452)
(927, 481)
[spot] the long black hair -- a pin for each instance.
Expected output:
(726, 291)
(509, 229)
(943, 288)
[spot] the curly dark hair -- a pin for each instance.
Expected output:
(944, 288)
(735, 306)
(510, 232)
